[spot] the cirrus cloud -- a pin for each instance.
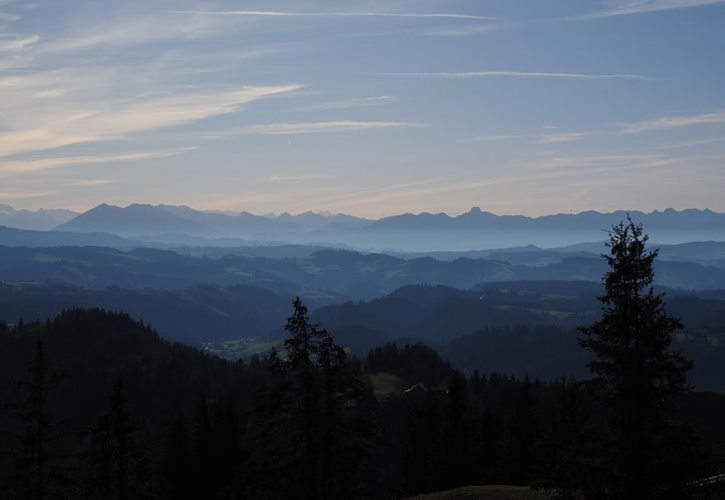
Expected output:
(319, 127)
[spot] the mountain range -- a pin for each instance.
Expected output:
(42, 219)
(423, 232)
(139, 220)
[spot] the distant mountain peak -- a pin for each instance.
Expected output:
(37, 220)
(475, 229)
(475, 212)
(134, 220)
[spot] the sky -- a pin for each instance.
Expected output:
(366, 107)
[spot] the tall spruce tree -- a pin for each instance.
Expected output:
(307, 440)
(636, 375)
(37, 468)
(119, 461)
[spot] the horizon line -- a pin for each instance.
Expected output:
(473, 209)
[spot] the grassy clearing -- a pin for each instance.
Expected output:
(491, 492)
(242, 348)
(385, 385)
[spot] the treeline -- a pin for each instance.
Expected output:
(98, 406)
(101, 407)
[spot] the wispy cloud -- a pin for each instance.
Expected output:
(670, 122)
(319, 127)
(520, 74)
(177, 109)
(562, 137)
(22, 195)
(360, 102)
(15, 167)
(49, 93)
(401, 196)
(470, 30)
(89, 183)
(628, 7)
(495, 137)
(378, 194)
(600, 163)
(658, 124)
(108, 120)
(699, 142)
(135, 31)
(182, 63)
(294, 178)
(535, 138)
(4, 16)
(276, 13)
(11, 43)
(37, 139)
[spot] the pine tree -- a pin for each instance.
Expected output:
(456, 434)
(119, 458)
(306, 439)
(37, 468)
(635, 373)
(176, 461)
(203, 450)
(522, 437)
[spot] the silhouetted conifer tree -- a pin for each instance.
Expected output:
(422, 458)
(204, 470)
(522, 436)
(456, 440)
(227, 439)
(177, 466)
(307, 441)
(636, 375)
(487, 453)
(120, 462)
(36, 471)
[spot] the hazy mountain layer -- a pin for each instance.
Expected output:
(163, 220)
(42, 219)
(473, 230)
(195, 316)
(512, 327)
(325, 276)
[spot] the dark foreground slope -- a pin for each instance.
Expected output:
(111, 410)
(194, 426)
(92, 349)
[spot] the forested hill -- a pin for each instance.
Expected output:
(337, 274)
(511, 327)
(520, 327)
(439, 314)
(195, 316)
(128, 411)
(92, 349)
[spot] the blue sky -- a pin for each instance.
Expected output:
(364, 107)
